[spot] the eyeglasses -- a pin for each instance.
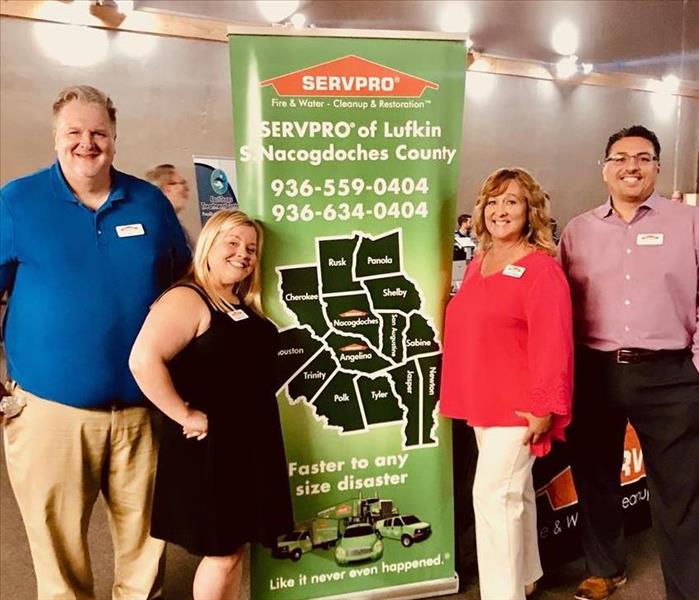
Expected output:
(644, 159)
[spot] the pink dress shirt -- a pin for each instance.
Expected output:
(508, 346)
(634, 285)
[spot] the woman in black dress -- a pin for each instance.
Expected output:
(203, 357)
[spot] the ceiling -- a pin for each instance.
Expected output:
(645, 37)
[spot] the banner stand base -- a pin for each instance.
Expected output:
(410, 591)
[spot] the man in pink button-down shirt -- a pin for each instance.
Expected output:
(632, 267)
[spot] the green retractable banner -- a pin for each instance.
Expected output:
(348, 152)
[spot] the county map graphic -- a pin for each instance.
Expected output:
(361, 354)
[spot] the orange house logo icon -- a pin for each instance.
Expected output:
(350, 76)
(560, 490)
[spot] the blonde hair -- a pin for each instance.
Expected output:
(249, 290)
(156, 175)
(85, 93)
(538, 232)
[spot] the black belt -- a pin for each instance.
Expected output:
(633, 356)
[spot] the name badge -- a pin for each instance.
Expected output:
(237, 314)
(130, 230)
(513, 271)
(649, 239)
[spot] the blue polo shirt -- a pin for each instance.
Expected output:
(81, 283)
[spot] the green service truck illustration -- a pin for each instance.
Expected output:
(319, 533)
(406, 528)
(358, 543)
(355, 527)
(360, 510)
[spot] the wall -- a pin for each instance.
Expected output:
(559, 132)
(175, 101)
(172, 103)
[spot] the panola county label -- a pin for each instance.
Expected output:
(350, 76)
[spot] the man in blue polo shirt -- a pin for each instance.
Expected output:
(84, 251)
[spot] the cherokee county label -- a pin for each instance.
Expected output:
(362, 354)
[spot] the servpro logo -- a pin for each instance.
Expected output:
(560, 490)
(350, 76)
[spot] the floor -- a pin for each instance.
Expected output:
(17, 576)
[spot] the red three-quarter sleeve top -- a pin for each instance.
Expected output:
(508, 346)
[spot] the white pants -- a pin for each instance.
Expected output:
(505, 511)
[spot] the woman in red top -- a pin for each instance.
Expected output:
(507, 370)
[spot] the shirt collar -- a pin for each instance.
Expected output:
(604, 211)
(63, 191)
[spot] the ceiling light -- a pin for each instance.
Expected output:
(455, 18)
(66, 43)
(564, 38)
(664, 105)
(667, 86)
(123, 7)
(479, 82)
(664, 101)
(567, 67)
(277, 10)
(671, 83)
(298, 20)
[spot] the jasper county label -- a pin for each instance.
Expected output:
(362, 354)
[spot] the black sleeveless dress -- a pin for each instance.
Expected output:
(212, 496)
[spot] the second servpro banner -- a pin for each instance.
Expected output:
(348, 152)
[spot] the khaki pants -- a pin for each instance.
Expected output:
(59, 459)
